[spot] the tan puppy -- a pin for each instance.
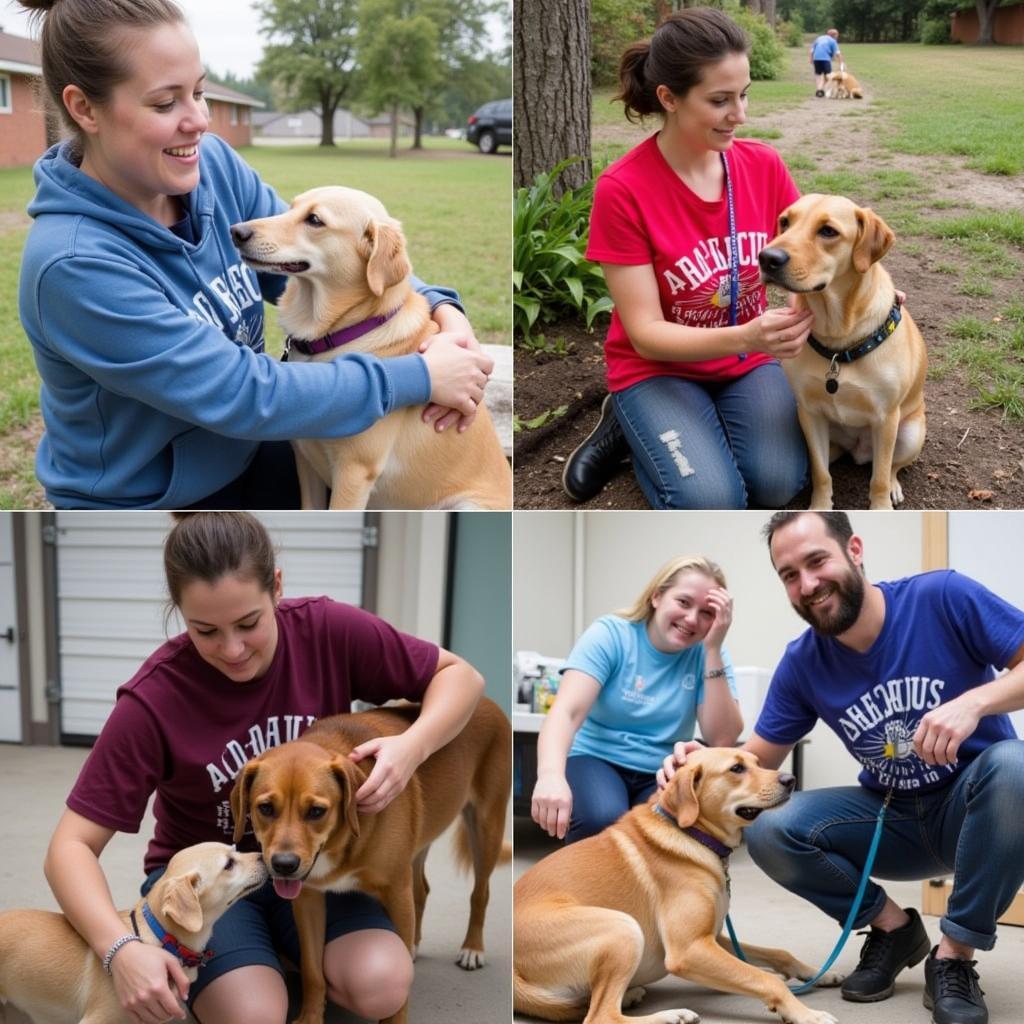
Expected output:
(841, 85)
(48, 971)
(347, 263)
(301, 799)
(827, 253)
(600, 918)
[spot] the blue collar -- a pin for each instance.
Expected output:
(188, 957)
(702, 837)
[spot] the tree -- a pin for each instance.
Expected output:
(551, 89)
(986, 21)
(311, 53)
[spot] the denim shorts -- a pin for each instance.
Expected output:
(261, 927)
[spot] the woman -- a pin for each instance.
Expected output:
(677, 223)
(131, 287)
(634, 684)
(251, 670)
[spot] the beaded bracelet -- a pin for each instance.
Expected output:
(714, 673)
(123, 941)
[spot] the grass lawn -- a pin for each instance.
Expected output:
(454, 205)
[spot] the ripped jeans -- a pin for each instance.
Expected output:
(724, 445)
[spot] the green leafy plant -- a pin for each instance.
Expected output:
(551, 277)
(519, 425)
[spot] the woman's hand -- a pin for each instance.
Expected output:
(397, 759)
(552, 804)
(458, 376)
(149, 982)
(780, 332)
(675, 761)
(453, 326)
(721, 600)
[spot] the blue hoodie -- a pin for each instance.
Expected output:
(155, 389)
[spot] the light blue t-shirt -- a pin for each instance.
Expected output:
(825, 48)
(942, 635)
(648, 699)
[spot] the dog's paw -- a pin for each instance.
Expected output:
(830, 979)
(414, 952)
(633, 996)
(471, 959)
(810, 1016)
(674, 1017)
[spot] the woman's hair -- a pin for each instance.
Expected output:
(82, 46)
(207, 546)
(641, 609)
(682, 46)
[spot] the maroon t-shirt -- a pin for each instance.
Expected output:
(183, 729)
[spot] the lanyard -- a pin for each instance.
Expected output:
(734, 255)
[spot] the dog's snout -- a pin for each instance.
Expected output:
(285, 864)
(240, 233)
(787, 780)
(770, 259)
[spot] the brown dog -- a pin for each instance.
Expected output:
(600, 918)
(348, 267)
(841, 85)
(301, 799)
(862, 389)
(48, 971)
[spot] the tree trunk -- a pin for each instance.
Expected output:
(986, 21)
(417, 135)
(327, 108)
(551, 90)
(768, 10)
(755, 6)
(393, 151)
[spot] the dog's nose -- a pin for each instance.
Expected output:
(284, 863)
(770, 259)
(240, 233)
(787, 780)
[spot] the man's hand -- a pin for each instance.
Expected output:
(675, 761)
(944, 728)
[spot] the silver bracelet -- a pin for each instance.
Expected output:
(715, 673)
(123, 941)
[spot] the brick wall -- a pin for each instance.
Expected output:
(239, 134)
(23, 131)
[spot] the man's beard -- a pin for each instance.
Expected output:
(850, 598)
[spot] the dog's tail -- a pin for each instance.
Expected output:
(466, 837)
(536, 1001)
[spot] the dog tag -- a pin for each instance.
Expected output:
(831, 385)
(832, 376)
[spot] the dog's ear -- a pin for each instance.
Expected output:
(680, 796)
(387, 263)
(240, 797)
(349, 780)
(180, 902)
(874, 237)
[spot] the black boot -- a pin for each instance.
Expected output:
(952, 993)
(883, 956)
(598, 458)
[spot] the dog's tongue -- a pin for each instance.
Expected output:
(287, 889)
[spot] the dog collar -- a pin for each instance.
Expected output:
(338, 338)
(862, 348)
(188, 957)
(702, 837)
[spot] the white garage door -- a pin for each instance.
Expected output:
(111, 593)
(10, 689)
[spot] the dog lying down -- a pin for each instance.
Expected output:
(349, 291)
(48, 971)
(597, 920)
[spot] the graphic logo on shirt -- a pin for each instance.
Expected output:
(276, 730)
(635, 694)
(237, 289)
(689, 681)
(880, 728)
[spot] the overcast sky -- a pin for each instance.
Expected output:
(227, 32)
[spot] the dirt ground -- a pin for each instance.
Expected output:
(971, 458)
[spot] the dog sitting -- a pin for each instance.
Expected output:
(349, 291)
(48, 971)
(300, 798)
(597, 920)
(859, 382)
(841, 85)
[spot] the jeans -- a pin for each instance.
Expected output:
(715, 445)
(816, 844)
(270, 481)
(601, 793)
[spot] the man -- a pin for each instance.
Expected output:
(903, 673)
(823, 50)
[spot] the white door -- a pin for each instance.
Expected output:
(112, 596)
(10, 681)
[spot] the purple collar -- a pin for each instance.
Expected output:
(339, 338)
(705, 839)
(187, 957)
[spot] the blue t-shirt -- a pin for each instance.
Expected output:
(825, 48)
(648, 699)
(942, 635)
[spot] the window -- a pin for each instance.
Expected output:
(5, 94)
(234, 114)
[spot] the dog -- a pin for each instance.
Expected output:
(48, 971)
(300, 798)
(841, 85)
(597, 920)
(859, 382)
(349, 291)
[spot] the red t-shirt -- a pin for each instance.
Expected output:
(185, 730)
(643, 213)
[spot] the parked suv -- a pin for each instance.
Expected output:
(491, 126)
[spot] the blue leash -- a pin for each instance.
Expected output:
(850, 918)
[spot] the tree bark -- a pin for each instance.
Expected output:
(986, 21)
(551, 90)
(417, 135)
(393, 150)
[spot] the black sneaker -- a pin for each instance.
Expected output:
(883, 956)
(598, 458)
(952, 992)
(819, 93)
